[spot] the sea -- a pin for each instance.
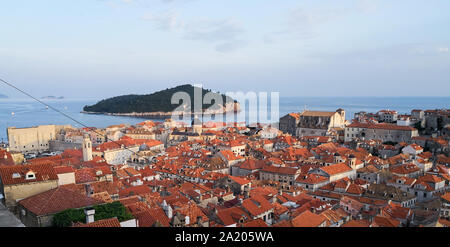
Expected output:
(22, 113)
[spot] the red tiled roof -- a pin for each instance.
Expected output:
(43, 172)
(232, 215)
(311, 179)
(356, 223)
(239, 180)
(308, 219)
(446, 196)
(385, 126)
(280, 170)
(113, 222)
(336, 169)
(381, 221)
(256, 223)
(136, 190)
(284, 223)
(229, 155)
(85, 175)
(404, 169)
(317, 114)
(63, 169)
(57, 200)
(256, 205)
(150, 217)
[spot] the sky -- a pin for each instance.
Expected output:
(104, 48)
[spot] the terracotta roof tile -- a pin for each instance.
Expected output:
(57, 200)
(16, 174)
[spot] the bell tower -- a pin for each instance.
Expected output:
(87, 148)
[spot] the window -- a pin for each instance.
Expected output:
(30, 175)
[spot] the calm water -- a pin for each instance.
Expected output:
(30, 113)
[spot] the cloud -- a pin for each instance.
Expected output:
(443, 50)
(223, 33)
(367, 6)
(166, 21)
(230, 46)
(213, 30)
(301, 23)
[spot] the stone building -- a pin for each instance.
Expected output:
(384, 132)
(22, 181)
(116, 153)
(436, 119)
(288, 123)
(318, 123)
(335, 172)
(33, 139)
(387, 116)
(36, 211)
(285, 175)
(141, 134)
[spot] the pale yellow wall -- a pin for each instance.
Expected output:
(66, 178)
(22, 191)
(31, 139)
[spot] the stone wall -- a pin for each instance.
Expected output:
(13, 193)
(61, 146)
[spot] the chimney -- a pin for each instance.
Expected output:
(89, 212)
(89, 190)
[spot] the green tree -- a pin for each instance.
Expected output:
(104, 211)
(69, 216)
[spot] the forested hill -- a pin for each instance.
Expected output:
(155, 102)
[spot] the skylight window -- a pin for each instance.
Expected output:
(30, 175)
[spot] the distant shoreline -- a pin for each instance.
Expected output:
(154, 115)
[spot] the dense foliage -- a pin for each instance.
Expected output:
(156, 102)
(104, 211)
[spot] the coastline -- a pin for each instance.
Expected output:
(157, 115)
(223, 110)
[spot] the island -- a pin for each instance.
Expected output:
(159, 104)
(2, 96)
